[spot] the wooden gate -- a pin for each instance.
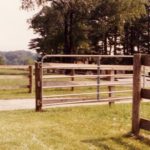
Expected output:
(103, 76)
(139, 93)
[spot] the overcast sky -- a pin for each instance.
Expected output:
(14, 32)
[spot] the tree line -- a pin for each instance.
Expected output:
(19, 57)
(106, 27)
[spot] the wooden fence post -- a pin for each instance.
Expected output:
(98, 78)
(30, 79)
(136, 94)
(111, 87)
(38, 86)
(143, 74)
(72, 78)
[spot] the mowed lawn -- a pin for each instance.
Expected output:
(75, 128)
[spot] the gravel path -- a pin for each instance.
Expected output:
(17, 104)
(21, 104)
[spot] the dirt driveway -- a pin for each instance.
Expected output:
(17, 104)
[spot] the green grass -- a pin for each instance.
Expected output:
(16, 94)
(9, 90)
(78, 128)
(11, 71)
(11, 82)
(12, 88)
(88, 90)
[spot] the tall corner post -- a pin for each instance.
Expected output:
(38, 86)
(136, 94)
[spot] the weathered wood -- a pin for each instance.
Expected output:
(30, 79)
(136, 94)
(81, 94)
(24, 74)
(47, 85)
(91, 67)
(72, 78)
(87, 76)
(47, 102)
(145, 93)
(145, 124)
(146, 60)
(143, 74)
(110, 88)
(87, 56)
(98, 78)
(38, 86)
(86, 66)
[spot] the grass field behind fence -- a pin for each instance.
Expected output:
(10, 78)
(8, 92)
(79, 128)
(23, 92)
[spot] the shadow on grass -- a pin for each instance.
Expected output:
(123, 141)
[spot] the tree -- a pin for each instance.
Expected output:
(137, 34)
(108, 25)
(48, 24)
(61, 21)
(99, 26)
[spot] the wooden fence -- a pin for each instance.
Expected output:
(139, 93)
(17, 73)
(107, 80)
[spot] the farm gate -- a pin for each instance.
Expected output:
(139, 93)
(63, 83)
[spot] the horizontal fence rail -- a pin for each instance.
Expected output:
(64, 95)
(86, 56)
(87, 85)
(86, 67)
(87, 76)
(15, 76)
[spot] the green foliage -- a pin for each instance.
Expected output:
(93, 27)
(48, 24)
(76, 128)
(18, 57)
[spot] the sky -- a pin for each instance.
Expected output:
(14, 29)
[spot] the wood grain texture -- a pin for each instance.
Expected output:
(145, 93)
(38, 86)
(146, 60)
(136, 94)
(145, 124)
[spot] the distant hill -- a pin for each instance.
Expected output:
(20, 57)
